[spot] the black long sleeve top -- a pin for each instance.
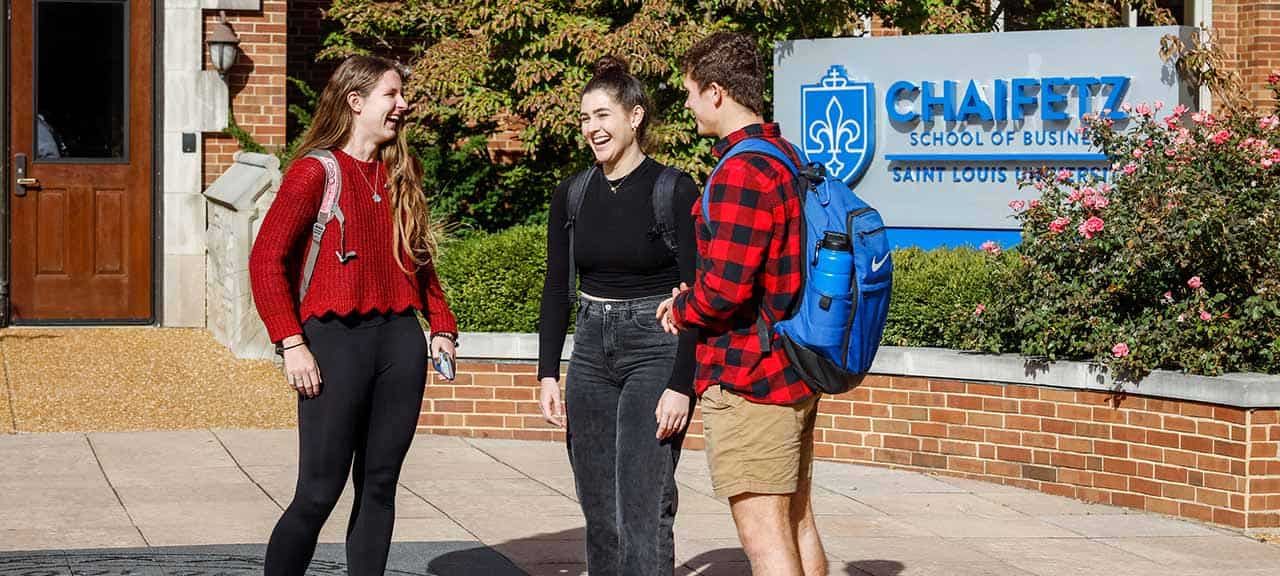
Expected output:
(619, 256)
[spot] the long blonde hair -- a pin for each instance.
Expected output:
(331, 127)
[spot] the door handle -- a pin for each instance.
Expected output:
(21, 181)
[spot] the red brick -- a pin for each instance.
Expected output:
(1074, 412)
(908, 383)
(1213, 497)
(1213, 463)
(1145, 420)
(1039, 440)
(966, 433)
(929, 461)
(1197, 410)
(947, 416)
(1179, 492)
(1228, 449)
(970, 465)
(1005, 437)
(1229, 517)
(1065, 460)
(438, 392)
(1233, 415)
(985, 389)
(1127, 434)
(892, 457)
(514, 393)
(1003, 469)
(1196, 511)
(987, 451)
(484, 421)
(890, 397)
(1041, 473)
(985, 419)
(959, 448)
(948, 386)
(1120, 466)
(1165, 439)
(999, 405)
(1264, 485)
(1144, 486)
(1110, 481)
(1075, 477)
(493, 380)
(910, 413)
(929, 429)
(929, 445)
(1022, 392)
(1222, 482)
(891, 426)
(1093, 496)
(1266, 416)
(927, 399)
(1012, 454)
(1059, 396)
(901, 443)
(495, 407)
(452, 406)
(1179, 424)
(1058, 426)
(1214, 429)
(1093, 430)
(1129, 500)
(1164, 406)
(1077, 445)
(1016, 422)
(1108, 414)
(871, 410)
(964, 402)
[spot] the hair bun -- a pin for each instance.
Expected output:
(610, 65)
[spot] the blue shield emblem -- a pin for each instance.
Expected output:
(839, 123)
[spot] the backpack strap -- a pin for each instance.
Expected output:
(758, 146)
(664, 192)
(328, 210)
(573, 204)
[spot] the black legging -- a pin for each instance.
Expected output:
(373, 370)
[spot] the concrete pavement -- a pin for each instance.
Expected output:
(204, 502)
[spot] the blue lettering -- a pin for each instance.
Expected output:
(1019, 98)
(929, 99)
(1052, 102)
(1002, 100)
(972, 105)
(891, 101)
(1084, 88)
(1119, 85)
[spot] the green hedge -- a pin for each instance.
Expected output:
(494, 283)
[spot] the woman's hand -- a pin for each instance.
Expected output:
(300, 367)
(443, 344)
(551, 403)
(672, 413)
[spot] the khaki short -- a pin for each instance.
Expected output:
(757, 448)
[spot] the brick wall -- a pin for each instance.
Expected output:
(1250, 33)
(1187, 459)
(256, 83)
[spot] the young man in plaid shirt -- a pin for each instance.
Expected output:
(758, 415)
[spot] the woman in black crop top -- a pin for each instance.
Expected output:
(630, 385)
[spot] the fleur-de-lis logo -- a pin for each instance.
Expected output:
(839, 121)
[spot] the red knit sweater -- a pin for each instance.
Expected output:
(371, 281)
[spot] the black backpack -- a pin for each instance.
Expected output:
(664, 191)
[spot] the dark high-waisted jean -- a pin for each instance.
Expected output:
(625, 477)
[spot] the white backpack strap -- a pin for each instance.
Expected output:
(328, 209)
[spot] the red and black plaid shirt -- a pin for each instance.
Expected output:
(748, 261)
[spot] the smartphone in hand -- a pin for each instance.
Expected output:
(444, 365)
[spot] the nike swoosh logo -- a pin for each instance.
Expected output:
(875, 266)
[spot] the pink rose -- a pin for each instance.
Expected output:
(1182, 318)
(1159, 105)
(1269, 123)
(1143, 109)
(1170, 152)
(1126, 107)
(1130, 168)
(1168, 297)
(1017, 205)
(1091, 227)
(1203, 118)
(1220, 137)
(1195, 283)
(1074, 196)
(1274, 77)
(1137, 153)
(1205, 316)
(980, 309)
(990, 247)
(1059, 224)
(1064, 175)
(1120, 350)
(1034, 204)
(1179, 110)
(1267, 163)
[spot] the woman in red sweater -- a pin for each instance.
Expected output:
(352, 344)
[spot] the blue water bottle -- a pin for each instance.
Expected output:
(834, 273)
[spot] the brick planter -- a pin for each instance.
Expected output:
(1189, 446)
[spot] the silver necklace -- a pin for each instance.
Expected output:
(376, 178)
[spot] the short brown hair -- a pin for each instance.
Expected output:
(732, 61)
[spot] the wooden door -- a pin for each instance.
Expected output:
(81, 161)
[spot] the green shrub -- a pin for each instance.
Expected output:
(933, 291)
(494, 281)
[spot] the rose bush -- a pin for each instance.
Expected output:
(1173, 264)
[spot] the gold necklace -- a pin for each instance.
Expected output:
(614, 187)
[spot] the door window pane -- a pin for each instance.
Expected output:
(81, 83)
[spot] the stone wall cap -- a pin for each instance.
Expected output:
(248, 178)
(1239, 390)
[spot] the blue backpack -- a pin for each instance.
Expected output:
(831, 339)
